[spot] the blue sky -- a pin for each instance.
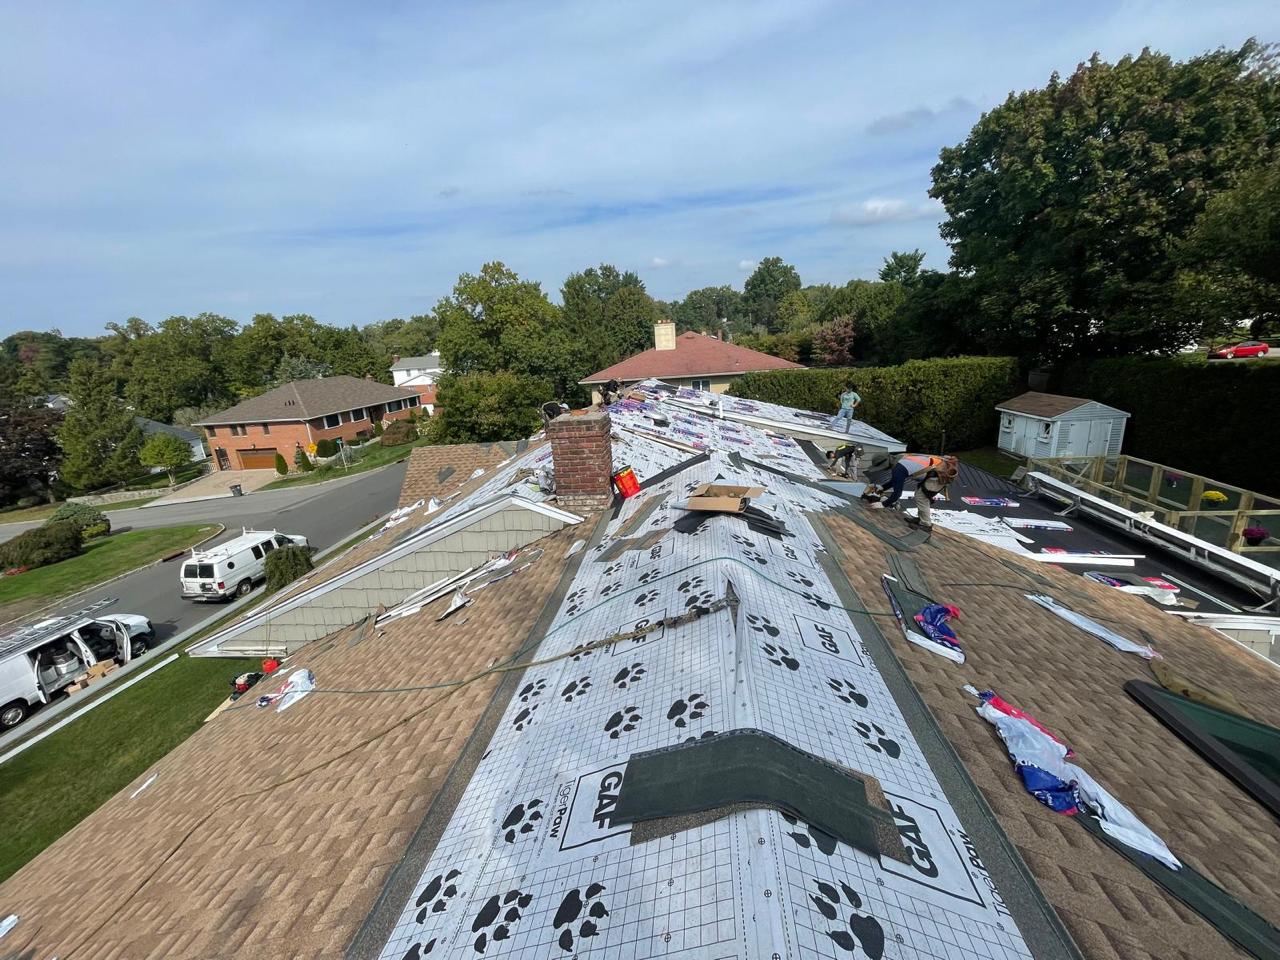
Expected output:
(350, 160)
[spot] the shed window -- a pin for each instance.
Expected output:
(1046, 431)
(1006, 422)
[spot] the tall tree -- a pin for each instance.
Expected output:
(795, 312)
(768, 284)
(179, 364)
(29, 454)
(166, 451)
(710, 310)
(480, 407)
(1064, 203)
(903, 268)
(495, 321)
(607, 314)
(98, 436)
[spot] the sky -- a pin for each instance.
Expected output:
(350, 160)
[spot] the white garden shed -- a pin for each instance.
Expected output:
(1048, 425)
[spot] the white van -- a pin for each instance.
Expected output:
(231, 568)
(40, 659)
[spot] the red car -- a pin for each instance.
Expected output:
(1247, 348)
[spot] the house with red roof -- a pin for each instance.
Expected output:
(688, 360)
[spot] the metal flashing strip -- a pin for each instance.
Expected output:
(747, 769)
(1020, 895)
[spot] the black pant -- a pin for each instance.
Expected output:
(897, 480)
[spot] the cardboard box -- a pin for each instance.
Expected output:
(721, 497)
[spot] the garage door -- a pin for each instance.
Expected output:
(257, 459)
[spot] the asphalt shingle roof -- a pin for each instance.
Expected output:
(1041, 404)
(695, 355)
(308, 399)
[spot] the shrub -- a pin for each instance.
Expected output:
(91, 521)
(282, 467)
(479, 407)
(42, 546)
(326, 448)
(302, 461)
(400, 431)
(1193, 414)
(285, 566)
(377, 428)
(927, 404)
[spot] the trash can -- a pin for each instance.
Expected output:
(236, 491)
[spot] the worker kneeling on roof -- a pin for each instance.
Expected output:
(933, 476)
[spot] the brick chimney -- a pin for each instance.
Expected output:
(582, 460)
(664, 335)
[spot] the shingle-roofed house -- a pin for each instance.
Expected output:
(463, 785)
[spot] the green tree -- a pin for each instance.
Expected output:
(282, 466)
(181, 363)
(98, 436)
(166, 451)
(607, 314)
(292, 368)
(873, 308)
(495, 322)
(903, 268)
(29, 453)
(795, 312)
(1231, 257)
(1064, 203)
(710, 310)
(482, 407)
(768, 284)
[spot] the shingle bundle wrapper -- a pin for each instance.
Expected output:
(1041, 761)
(1098, 630)
(933, 634)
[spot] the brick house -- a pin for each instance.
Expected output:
(249, 435)
(688, 360)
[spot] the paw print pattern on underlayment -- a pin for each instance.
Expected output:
(824, 842)
(762, 624)
(575, 689)
(580, 651)
(622, 721)
(846, 691)
(865, 936)
(692, 584)
(500, 914)
(699, 601)
(524, 718)
(611, 588)
(531, 689)
(780, 656)
(649, 575)
(645, 598)
(687, 709)
(799, 579)
(755, 556)
(522, 820)
(816, 601)
(574, 601)
(420, 950)
(629, 676)
(579, 903)
(881, 742)
(435, 896)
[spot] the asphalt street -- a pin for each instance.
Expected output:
(326, 514)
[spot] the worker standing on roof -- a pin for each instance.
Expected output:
(933, 476)
(849, 401)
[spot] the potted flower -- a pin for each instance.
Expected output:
(1254, 536)
(1214, 496)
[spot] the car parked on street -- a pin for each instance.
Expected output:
(232, 568)
(1246, 348)
(40, 659)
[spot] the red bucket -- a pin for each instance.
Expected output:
(626, 482)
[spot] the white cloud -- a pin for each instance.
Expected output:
(747, 265)
(881, 210)
(659, 262)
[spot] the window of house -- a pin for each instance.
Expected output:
(394, 405)
(266, 429)
(411, 402)
(702, 385)
(332, 420)
(357, 414)
(212, 431)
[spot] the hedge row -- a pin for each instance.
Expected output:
(42, 546)
(1217, 418)
(948, 402)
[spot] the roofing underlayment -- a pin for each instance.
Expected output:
(399, 814)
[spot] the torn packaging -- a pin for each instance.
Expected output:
(722, 498)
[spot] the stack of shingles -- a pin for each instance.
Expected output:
(271, 834)
(1073, 684)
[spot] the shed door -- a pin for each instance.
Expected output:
(257, 459)
(1099, 437)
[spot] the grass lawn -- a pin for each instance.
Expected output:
(991, 460)
(46, 510)
(61, 780)
(102, 559)
(378, 456)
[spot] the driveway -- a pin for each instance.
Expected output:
(217, 484)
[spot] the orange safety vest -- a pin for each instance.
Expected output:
(920, 463)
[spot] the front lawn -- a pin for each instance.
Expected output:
(990, 459)
(46, 510)
(102, 559)
(377, 456)
(47, 790)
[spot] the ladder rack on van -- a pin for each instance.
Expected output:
(46, 629)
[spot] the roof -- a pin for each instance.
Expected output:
(695, 355)
(430, 362)
(434, 471)
(1049, 405)
(308, 399)
(155, 426)
(357, 824)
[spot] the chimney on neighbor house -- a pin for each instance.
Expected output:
(664, 335)
(582, 460)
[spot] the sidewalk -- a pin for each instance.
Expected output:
(215, 486)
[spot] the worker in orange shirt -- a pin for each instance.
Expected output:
(933, 474)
